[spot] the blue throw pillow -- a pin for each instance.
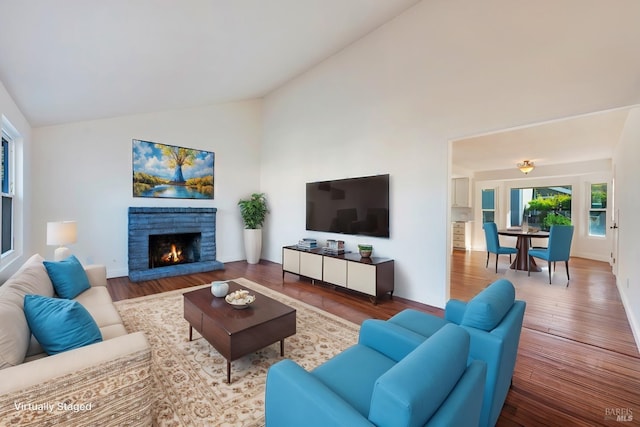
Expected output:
(68, 277)
(486, 310)
(59, 324)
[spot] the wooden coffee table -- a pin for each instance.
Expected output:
(238, 332)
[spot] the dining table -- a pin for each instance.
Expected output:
(523, 243)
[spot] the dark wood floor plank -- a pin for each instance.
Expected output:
(577, 356)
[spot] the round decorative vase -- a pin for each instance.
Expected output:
(365, 250)
(253, 244)
(219, 289)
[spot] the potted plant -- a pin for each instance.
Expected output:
(253, 212)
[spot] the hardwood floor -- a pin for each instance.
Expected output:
(577, 360)
(577, 364)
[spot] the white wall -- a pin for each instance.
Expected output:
(9, 112)
(390, 103)
(343, 120)
(293, 156)
(627, 202)
(83, 172)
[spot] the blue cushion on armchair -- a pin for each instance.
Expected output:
(488, 308)
(425, 324)
(352, 374)
(409, 393)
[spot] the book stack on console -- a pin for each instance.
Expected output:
(334, 247)
(307, 244)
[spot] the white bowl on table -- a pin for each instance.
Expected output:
(240, 299)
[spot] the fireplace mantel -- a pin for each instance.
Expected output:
(146, 221)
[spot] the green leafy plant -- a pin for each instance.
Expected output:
(555, 219)
(550, 210)
(599, 195)
(557, 202)
(253, 210)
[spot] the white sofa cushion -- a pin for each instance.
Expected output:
(15, 339)
(112, 331)
(31, 278)
(35, 350)
(98, 303)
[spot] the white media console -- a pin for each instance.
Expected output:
(372, 276)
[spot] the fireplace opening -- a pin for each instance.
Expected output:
(173, 249)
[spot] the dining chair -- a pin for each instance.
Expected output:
(558, 249)
(493, 243)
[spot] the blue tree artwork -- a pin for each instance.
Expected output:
(169, 171)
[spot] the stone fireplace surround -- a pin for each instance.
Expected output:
(145, 221)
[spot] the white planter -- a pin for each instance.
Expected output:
(253, 245)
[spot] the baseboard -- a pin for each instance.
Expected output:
(634, 322)
(591, 256)
(117, 272)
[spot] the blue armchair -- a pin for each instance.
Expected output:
(493, 319)
(493, 243)
(559, 248)
(392, 378)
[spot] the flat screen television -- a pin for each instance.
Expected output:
(349, 206)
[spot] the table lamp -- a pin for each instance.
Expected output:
(61, 233)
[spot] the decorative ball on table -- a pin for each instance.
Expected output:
(219, 289)
(365, 250)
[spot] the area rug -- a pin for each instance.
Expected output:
(190, 376)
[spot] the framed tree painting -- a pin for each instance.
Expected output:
(169, 171)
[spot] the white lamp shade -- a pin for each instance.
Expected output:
(62, 233)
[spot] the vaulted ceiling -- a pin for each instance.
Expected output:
(72, 60)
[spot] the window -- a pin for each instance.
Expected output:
(541, 207)
(598, 210)
(7, 187)
(488, 205)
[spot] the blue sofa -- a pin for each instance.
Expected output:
(392, 378)
(493, 319)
